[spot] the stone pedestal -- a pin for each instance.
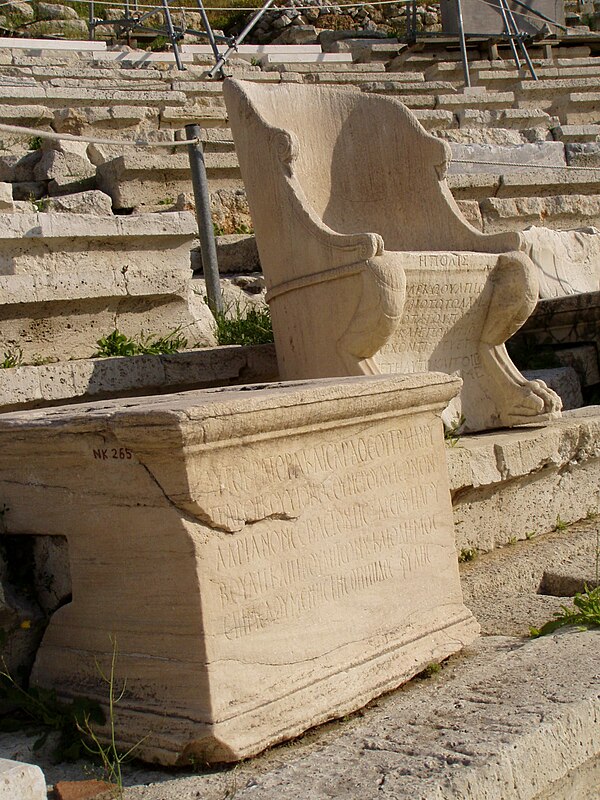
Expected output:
(265, 558)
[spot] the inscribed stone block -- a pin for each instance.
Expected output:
(266, 558)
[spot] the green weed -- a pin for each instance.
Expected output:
(467, 554)
(12, 358)
(560, 524)
(430, 670)
(35, 143)
(117, 344)
(584, 615)
(40, 713)
(245, 326)
(111, 758)
(451, 431)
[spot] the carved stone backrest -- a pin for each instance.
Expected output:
(363, 163)
(369, 264)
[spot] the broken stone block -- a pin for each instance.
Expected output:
(64, 163)
(270, 558)
(92, 202)
(568, 262)
(19, 781)
(6, 198)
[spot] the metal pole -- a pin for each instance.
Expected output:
(172, 36)
(218, 67)
(463, 44)
(519, 36)
(502, 5)
(208, 247)
(208, 28)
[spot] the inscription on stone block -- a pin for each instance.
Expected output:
(269, 559)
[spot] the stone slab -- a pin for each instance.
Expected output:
(68, 279)
(20, 781)
(145, 180)
(511, 484)
(514, 719)
(515, 588)
(568, 261)
(280, 605)
(560, 212)
(51, 44)
(88, 379)
(507, 159)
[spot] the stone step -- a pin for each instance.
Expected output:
(207, 116)
(359, 78)
(512, 118)
(339, 66)
(506, 79)
(560, 212)
(578, 108)
(435, 119)
(401, 89)
(146, 181)
(475, 100)
(544, 93)
(257, 49)
(478, 156)
(54, 96)
(304, 62)
(525, 183)
(576, 133)
(66, 280)
(502, 137)
(52, 44)
(89, 379)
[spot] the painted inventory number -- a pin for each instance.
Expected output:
(106, 453)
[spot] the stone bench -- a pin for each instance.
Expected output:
(66, 280)
(53, 96)
(474, 99)
(147, 181)
(561, 212)
(264, 559)
(523, 183)
(513, 485)
(88, 379)
(578, 108)
(551, 154)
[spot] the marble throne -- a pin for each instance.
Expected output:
(369, 264)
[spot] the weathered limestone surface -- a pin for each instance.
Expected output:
(568, 261)
(302, 535)
(550, 154)
(145, 180)
(517, 483)
(49, 384)
(68, 279)
(20, 781)
(360, 220)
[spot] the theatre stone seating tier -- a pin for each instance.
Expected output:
(264, 558)
(66, 280)
(368, 263)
